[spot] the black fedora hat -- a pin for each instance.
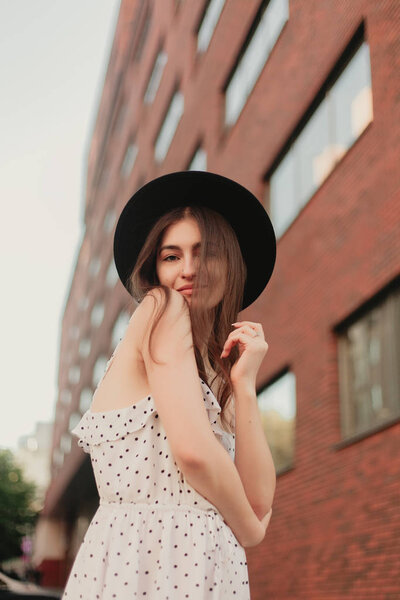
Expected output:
(237, 204)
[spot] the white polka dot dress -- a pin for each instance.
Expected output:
(153, 535)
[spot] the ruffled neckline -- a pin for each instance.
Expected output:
(105, 426)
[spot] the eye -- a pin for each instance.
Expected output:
(170, 256)
(211, 254)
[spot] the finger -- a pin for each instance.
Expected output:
(250, 334)
(245, 328)
(248, 329)
(257, 326)
(231, 341)
(240, 337)
(234, 336)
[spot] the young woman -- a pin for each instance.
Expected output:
(193, 249)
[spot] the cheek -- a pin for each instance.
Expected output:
(218, 273)
(163, 272)
(159, 271)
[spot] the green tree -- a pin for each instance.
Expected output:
(17, 517)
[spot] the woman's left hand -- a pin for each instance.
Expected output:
(252, 349)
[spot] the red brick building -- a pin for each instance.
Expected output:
(300, 102)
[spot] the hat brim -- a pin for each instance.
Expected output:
(237, 204)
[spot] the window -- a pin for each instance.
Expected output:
(112, 274)
(65, 443)
(74, 374)
(208, 23)
(84, 347)
(168, 127)
(66, 397)
(32, 444)
(155, 77)
(266, 29)
(277, 405)
(109, 220)
(97, 314)
(85, 399)
(94, 266)
(369, 367)
(74, 420)
(83, 303)
(199, 161)
(99, 369)
(58, 457)
(339, 119)
(129, 160)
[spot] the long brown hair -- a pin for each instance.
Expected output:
(220, 255)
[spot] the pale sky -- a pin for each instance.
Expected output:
(53, 59)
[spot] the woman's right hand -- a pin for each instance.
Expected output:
(258, 534)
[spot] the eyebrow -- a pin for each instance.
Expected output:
(172, 247)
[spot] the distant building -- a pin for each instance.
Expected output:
(33, 455)
(298, 101)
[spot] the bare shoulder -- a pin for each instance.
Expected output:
(146, 311)
(172, 325)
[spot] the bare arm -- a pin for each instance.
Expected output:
(253, 457)
(176, 388)
(217, 479)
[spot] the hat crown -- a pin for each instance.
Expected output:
(242, 210)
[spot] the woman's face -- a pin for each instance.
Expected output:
(178, 261)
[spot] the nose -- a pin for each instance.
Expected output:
(189, 266)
